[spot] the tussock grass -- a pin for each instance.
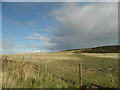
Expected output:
(58, 70)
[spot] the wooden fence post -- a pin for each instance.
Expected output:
(31, 57)
(80, 74)
(46, 66)
(45, 80)
(23, 58)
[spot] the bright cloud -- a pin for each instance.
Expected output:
(37, 36)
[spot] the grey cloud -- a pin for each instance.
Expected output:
(87, 25)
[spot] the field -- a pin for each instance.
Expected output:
(59, 70)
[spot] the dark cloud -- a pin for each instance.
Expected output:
(84, 25)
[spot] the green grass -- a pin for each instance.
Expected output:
(58, 70)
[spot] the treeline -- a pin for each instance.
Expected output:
(101, 49)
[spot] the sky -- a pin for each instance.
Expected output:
(54, 26)
(60, 0)
(0, 27)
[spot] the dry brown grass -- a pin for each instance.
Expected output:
(102, 55)
(25, 71)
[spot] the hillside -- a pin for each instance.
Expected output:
(101, 49)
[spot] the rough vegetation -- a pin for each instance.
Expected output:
(58, 70)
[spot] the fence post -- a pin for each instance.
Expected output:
(45, 73)
(23, 58)
(46, 66)
(31, 57)
(80, 74)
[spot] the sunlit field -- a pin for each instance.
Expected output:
(102, 55)
(59, 70)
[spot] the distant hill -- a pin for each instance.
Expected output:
(101, 49)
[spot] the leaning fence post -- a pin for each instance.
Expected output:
(80, 74)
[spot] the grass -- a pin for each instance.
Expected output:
(58, 70)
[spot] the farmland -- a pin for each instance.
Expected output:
(59, 70)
